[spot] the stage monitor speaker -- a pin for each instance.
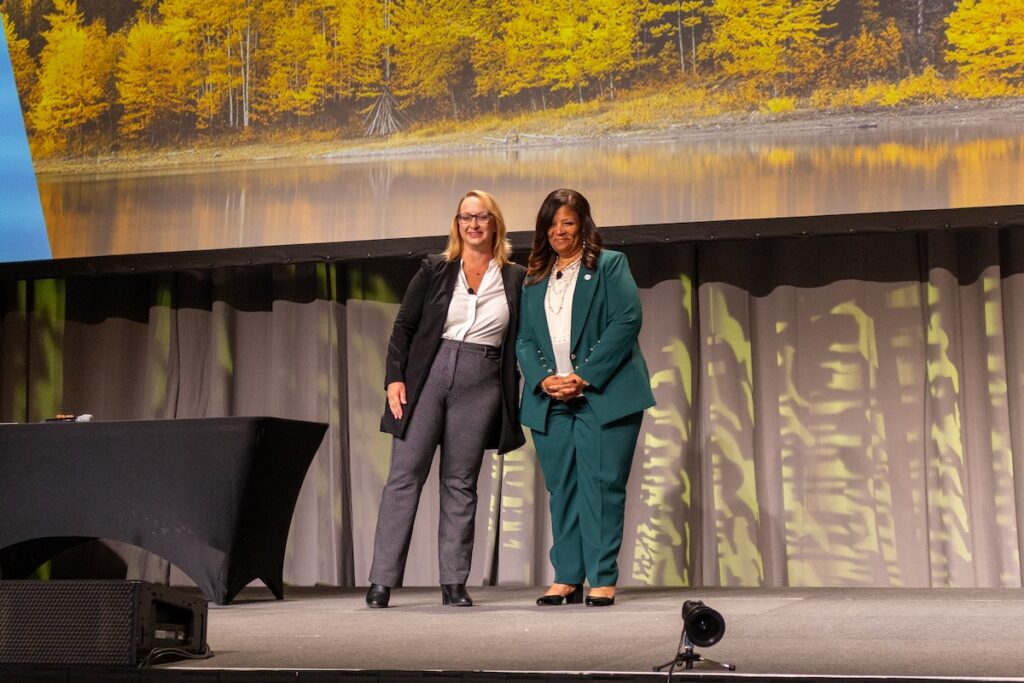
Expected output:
(97, 622)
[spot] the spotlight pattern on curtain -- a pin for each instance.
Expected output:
(835, 411)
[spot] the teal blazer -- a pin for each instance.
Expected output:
(606, 319)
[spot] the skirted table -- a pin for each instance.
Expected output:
(214, 496)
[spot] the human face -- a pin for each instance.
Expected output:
(478, 232)
(565, 235)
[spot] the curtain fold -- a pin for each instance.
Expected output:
(832, 411)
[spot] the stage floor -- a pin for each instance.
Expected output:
(850, 633)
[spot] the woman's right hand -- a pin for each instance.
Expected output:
(558, 388)
(396, 399)
(549, 385)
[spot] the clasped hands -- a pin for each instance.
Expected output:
(563, 388)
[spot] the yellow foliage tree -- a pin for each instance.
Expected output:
(986, 39)
(432, 47)
(692, 12)
(190, 65)
(868, 55)
(670, 19)
(21, 61)
(563, 69)
(156, 78)
(509, 52)
(296, 61)
(591, 40)
(75, 78)
(358, 37)
(610, 50)
(215, 33)
(769, 43)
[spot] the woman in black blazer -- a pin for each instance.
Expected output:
(452, 381)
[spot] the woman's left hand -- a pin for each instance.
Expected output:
(571, 387)
(396, 399)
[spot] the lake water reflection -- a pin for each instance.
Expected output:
(628, 182)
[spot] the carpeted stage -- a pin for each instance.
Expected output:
(788, 632)
(771, 634)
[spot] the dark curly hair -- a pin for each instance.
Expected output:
(542, 256)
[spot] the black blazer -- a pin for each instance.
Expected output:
(416, 338)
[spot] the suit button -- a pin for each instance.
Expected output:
(572, 356)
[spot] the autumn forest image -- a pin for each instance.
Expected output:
(103, 77)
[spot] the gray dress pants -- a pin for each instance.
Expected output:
(457, 409)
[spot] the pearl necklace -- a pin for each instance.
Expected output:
(559, 284)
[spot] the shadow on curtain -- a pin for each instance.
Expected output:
(832, 411)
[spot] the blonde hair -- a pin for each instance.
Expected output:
(502, 246)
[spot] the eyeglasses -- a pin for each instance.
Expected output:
(483, 218)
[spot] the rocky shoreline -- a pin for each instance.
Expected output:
(751, 125)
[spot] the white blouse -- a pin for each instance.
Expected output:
(558, 309)
(481, 317)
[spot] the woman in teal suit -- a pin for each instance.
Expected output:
(586, 388)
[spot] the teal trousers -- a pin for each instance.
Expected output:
(586, 467)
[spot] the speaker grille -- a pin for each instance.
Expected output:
(73, 622)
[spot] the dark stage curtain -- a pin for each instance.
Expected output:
(832, 411)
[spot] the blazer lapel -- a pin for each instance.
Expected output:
(508, 281)
(509, 284)
(449, 274)
(537, 293)
(586, 283)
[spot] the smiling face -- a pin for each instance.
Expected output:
(476, 225)
(565, 234)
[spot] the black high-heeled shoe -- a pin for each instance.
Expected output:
(455, 595)
(600, 601)
(378, 595)
(573, 598)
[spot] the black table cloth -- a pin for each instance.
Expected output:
(214, 496)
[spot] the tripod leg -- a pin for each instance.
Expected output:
(724, 665)
(686, 659)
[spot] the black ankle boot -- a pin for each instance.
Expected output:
(455, 595)
(378, 595)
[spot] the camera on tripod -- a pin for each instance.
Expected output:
(702, 627)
